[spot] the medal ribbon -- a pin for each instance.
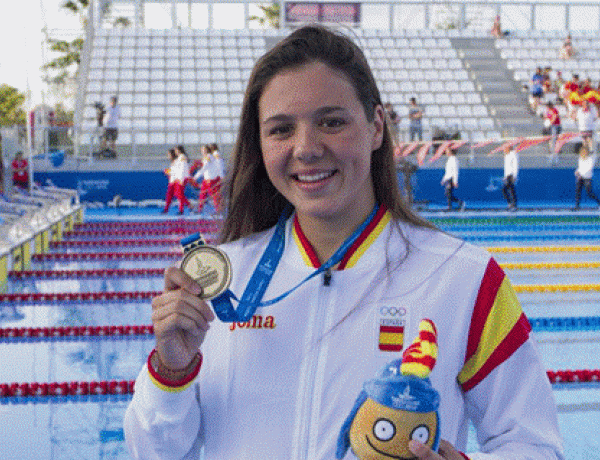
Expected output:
(263, 273)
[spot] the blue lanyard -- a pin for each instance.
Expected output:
(263, 273)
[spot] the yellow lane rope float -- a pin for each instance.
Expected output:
(547, 265)
(516, 249)
(530, 288)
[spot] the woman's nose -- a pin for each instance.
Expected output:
(307, 143)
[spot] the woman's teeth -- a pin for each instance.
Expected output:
(314, 177)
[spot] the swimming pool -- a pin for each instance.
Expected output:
(76, 326)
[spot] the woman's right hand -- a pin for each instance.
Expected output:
(180, 318)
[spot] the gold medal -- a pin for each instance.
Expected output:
(210, 267)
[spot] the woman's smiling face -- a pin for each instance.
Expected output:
(317, 142)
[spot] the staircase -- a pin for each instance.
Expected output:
(503, 96)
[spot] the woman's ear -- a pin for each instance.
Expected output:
(378, 127)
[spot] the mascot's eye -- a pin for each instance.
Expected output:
(421, 434)
(384, 430)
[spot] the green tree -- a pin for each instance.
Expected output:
(65, 66)
(11, 106)
(62, 115)
(270, 16)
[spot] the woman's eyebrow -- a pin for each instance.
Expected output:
(321, 111)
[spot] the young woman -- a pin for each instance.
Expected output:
(212, 175)
(314, 197)
(178, 173)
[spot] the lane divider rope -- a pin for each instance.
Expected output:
(72, 333)
(15, 298)
(547, 265)
(79, 274)
(146, 272)
(75, 391)
(521, 249)
(53, 256)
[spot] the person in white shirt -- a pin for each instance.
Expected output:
(511, 171)
(334, 270)
(584, 174)
(111, 126)
(212, 173)
(586, 116)
(450, 179)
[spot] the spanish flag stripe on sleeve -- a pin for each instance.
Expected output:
(516, 337)
(505, 329)
(490, 284)
(308, 253)
(366, 238)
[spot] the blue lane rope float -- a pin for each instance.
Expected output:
(532, 237)
(565, 324)
(521, 228)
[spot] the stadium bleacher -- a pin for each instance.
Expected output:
(186, 86)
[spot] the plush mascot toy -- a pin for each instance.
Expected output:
(398, 405)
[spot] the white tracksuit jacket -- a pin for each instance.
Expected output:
(281, 386)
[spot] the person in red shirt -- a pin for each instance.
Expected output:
(586, 86)
(552, 124)
(20, 169)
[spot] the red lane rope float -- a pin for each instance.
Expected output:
(118, 243)
(53, 256)
(194, 225)
(38, 391)
(574, 376)
(77, 296)
(73, 333)
(79, 274)
(62, 391)
(132, 233)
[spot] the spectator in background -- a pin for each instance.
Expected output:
(537, 90)
(566, 50)
(511, 171)
(557, 86)
(552, 126)
(415, 115)
(586, 116)
(546, 80)
(496, 30)
(450, 179)
(20, 170)
(586, 86)
(393, 122)
(570, 86)
(111, 128)
(583, 174)
(573, 83)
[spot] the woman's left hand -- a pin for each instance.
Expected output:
(445, 452)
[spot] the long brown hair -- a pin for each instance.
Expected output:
(254, 204)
